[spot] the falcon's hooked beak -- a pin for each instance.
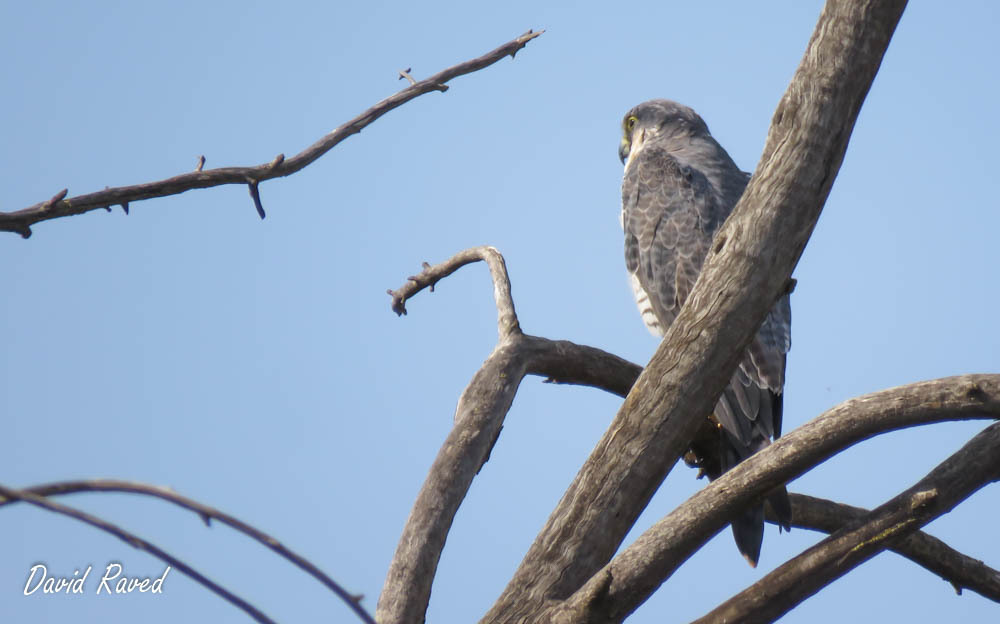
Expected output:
(624, 148)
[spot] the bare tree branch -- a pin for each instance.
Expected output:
(478, 419)
(962, 571)
(564, 362)
(21, 221)
(745, 272)
(973, 466)
(507, 324)
(207, 514)
(136, 542)
(645, 564)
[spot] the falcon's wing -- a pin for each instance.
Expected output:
(669, 215)
(670, 212)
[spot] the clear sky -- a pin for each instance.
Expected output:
(256, 366)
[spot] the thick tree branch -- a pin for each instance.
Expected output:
(961, 475)
(962, 571)
(746, 271)
(207, 514)
(646, 563)
(478, 419)
(138, 543)
(564, 362)
(59, 206)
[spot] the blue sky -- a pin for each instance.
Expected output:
(256, 366)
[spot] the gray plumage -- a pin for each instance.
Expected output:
(679, 187)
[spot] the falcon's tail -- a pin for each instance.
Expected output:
(748, 528)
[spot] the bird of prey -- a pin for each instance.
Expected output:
(679, 187)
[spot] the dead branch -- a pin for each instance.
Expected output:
(507, 324)
(207, 514)
(962, 571)
(564, 362)
(961, 475)
(747, 269)
(21, 221)
(136, 542)
(645, 564)
(478, 419)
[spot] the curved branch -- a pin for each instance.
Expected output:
(136, 542)
(961, 475)
(507, 324)
(564, 362)
(639, 569)
(207, 514)
(479, 417)
(746, 271)
(21, 221)
(962, 571)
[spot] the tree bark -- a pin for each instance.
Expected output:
(927, 551)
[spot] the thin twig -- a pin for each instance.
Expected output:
(137, 542)
(20, 221)
(207, 514)
(405, 73)
(962, 571)
(507, 324)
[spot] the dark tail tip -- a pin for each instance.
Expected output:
(748, 531)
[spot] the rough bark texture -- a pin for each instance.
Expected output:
(748, 268)
(927, 551)
(645, 564)
(972, 467)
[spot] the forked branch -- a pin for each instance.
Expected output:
(962, 571)
(645, 564)
(478, 418)
(973, 466)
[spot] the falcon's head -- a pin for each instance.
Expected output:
(655, 119)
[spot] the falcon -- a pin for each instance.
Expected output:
(679, 187)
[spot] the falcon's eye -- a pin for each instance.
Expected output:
(630, 122)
